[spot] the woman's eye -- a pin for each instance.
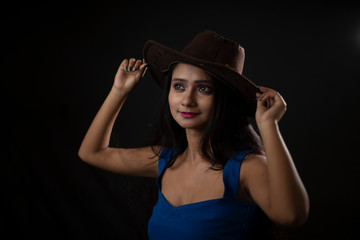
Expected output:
(178, 86)
(205, 89)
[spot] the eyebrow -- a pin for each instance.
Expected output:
(196, 81)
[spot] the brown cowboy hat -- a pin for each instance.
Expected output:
(221, 57)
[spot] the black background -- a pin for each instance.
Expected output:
(59, 63)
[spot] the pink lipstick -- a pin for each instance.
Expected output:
(188, 114)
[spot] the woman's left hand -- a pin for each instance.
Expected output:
(270, 106)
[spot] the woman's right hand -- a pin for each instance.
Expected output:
(129, 74)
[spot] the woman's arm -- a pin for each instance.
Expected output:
(274, 182)
(95, 148)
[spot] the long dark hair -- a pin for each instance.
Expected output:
(227, 131)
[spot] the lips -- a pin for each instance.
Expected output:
(188, 114)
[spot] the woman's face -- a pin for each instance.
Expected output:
(191, 96)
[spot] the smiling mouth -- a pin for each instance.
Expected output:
(188, 114)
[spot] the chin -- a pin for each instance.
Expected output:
(191, 126)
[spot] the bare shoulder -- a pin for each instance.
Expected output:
(254, 160)
(254, 166)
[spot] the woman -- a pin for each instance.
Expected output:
(217, 178)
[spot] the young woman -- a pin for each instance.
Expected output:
(217, 178)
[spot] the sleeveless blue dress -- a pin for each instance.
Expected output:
(224, 218)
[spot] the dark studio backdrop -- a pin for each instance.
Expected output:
(59, 61)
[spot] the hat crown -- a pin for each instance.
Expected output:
(212, 47)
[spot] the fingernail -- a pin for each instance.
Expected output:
(126, 69)
(134, 69)
(129, 68)
(259, 98)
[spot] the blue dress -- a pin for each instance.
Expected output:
(223, 218)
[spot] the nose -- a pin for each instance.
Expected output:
(189, 99)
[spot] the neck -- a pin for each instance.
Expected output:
(192, 152)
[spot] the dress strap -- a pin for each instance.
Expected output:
(164, 158)
(231, 173)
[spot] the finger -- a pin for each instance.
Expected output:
(269, 91)
(265, 97)
(261, 97)
(265, 89)
(131, 64)
(137, 65)
(271, 102)
(271, 96)
(261, 106)
(124, 64)
(278, 96)
(143, 68)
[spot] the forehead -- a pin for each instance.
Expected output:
(190, 72)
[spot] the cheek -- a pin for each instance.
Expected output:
(207, 104)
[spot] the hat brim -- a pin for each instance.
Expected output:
(160, 58)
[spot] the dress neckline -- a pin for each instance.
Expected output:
(193, 204)
(228, 191)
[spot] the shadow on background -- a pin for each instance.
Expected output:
(60, 60)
